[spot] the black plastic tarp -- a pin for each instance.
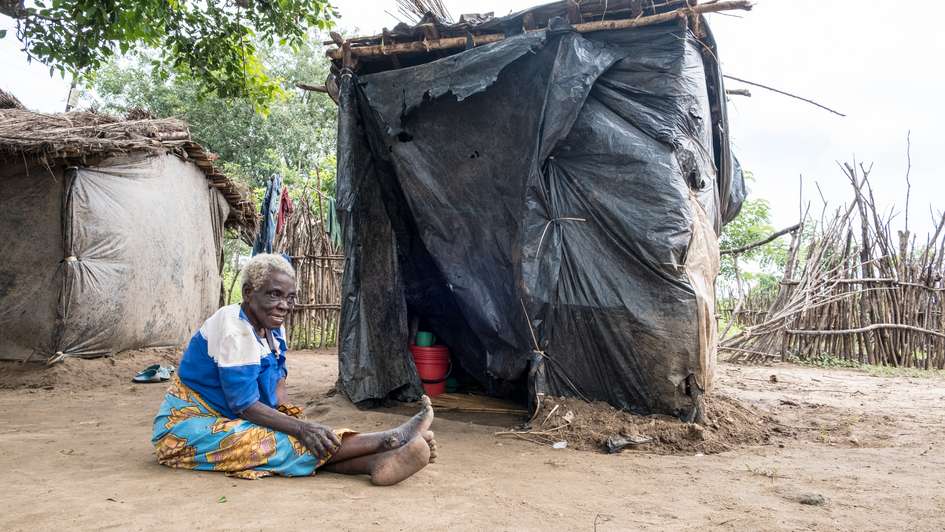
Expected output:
(553, 187)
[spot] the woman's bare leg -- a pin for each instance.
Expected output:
(369, 443)
(388, 467)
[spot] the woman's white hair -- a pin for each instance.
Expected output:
(260, 267)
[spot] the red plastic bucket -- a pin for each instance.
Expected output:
(433, 365)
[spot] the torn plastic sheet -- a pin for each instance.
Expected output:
(396, 93)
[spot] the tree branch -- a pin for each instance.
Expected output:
(14, 9)
(312, 88)
(738, 92)
(759, 243)
(772, 89)
(812, 332)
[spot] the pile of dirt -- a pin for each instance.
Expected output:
(84, 374)
(600, 427)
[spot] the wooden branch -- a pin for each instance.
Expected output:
(748, 351)
(335, 38)
(416, 46)
(574, 12)
(324, 257)
(587, 27)
(759, 243)
(868, 328)
(738, 92)
(772, 89)
(732, 317)
(885, 280)
(313, 88)
(325, 306)
(14, 9)
(607, 25)
(908, 171)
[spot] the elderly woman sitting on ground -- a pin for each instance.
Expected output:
(227, 409)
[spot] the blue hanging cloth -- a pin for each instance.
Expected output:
(269, 211)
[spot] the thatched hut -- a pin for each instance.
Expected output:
(544, 191)
(112, 233)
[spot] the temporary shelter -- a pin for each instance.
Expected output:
(545, 192)
(111, 233)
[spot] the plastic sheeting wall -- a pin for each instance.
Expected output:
(99, 260)
(566, 177)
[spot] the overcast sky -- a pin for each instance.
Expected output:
(878, 64)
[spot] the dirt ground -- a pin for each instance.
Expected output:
(849, 451)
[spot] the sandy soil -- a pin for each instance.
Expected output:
(870, 449)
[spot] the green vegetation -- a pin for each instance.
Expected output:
(214, 43)
(829, 361)
(889, 371)
(825, 360)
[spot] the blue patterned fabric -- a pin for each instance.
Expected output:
(190, 434)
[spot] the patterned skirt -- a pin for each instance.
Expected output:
(189, 434)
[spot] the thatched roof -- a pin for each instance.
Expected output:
(84, 138)
(9, 101)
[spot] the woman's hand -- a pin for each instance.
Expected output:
(319, 439)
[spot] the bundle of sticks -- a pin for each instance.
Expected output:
(852, 289)
(414, 10)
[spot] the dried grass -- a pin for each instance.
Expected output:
(86, 137)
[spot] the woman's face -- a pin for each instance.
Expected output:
(269, 305)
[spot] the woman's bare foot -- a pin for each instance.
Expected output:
(394, 466)
(429, 437)
(414, 427)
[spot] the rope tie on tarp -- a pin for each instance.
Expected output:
(547, 225)
(546, 357)
(59, 357)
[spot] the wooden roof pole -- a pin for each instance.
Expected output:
(416, 46)
(447, 43)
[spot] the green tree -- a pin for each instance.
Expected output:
(294, 139)
(752, 224)
(214, 42)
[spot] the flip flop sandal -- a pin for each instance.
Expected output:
(150, 374)
(164, 373)
(154, 373)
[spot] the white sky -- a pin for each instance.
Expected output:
(880, 65)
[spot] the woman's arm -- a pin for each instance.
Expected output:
(318, 439)
(282, 396)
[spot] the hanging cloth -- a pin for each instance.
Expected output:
(285, 209)
(269, 211)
